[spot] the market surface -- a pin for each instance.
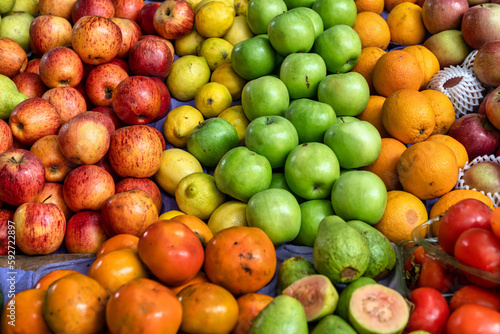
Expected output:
(262, 166)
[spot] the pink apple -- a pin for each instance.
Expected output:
(487, 64)
(101, 83)
(55, 163)
(128, 9)
(33, 66)
(165, 99)
(53, 193)
(105, 119)
(61, 67)
(481, 24)
(84, 233)
(40, 228)
(150, 57)
(145, 184)
(87, 187)
(145, 18)
(30, 84)
(137, 100)
(47, 32)
(173, 19)
(60, 8)
(6, 216)
(13, 58)
(33, 119)
(118, 123)
(104, 8)
(131, 32)
(6, 137)
(68, 102)
(84, 139)
(439, 15)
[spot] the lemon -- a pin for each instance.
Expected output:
(241, 7)
(197, 195)
(189, 43)
(236, 116)
(200, 4)
(226, 75)
(188, 73)
(228, 214)
(239, 31)
(216, 51)
(214, 19)
(212, 99)
(193, 3)
(170, 214)
(174, 165)
(179, 123)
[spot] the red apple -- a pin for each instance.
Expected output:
(136, 100)
(122, 63)
(81, 89)
(173, 19)
(40, 228)
(118, 123)
(13, 58)
(131, 32)
(129, 212)
(128, 9)
(53, 193)
(60, 8)
(22, 176)
(87, 187)
(150, 57)
(492, 107)
(135, 151)
(61, 67)
(145, 18)
(33, 119)
(84, 139)
(55, 163)
(439, 15)
(482, 107)
(102, 81)
(6, 216)
(30, 84)
(104, 8)
(47, 32)
(67, 100)
(487, 64)
(104, 164)
(105, 119)
(165, 99)
(145, 184)
(33, 66)
(17, 145)
(84, 233)
(96, 39)
(6, 137)
(160, 135)
(164, 40)
(481, 24)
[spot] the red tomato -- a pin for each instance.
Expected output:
(434, 275)
(471, 294)
(430, 313)
(473, 319)
(459, 217)
(480, 249)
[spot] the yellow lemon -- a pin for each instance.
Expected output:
(188, 73)
(189, 43)
(241, 7)
(239, 31)
(200, 4)
(212, 98)
(226, 75)
(197, 195)
(217, 51)
(228, 214)
(174, 165)
(179, 123)
(170, 214)
(214, 19)
(236, 116)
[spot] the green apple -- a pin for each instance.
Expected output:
(276, 212)
(211, 139)
(264, 96)
(278, 181)
(314, 17)
(261, 12)
(335, 12)
(347, 93)
(356, 144)
(340, 47)
(242, 173)
(311, 119)
(299, 3)
(360, 195)
(302, 73)
(311, 170)
(273, 137)
(311, 213)
(346, 119)
(6, 6)
(253, 57)
(291, 32)
(17, 27)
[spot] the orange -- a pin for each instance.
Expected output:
(367, 60)
(376, 6)
(119, 241)
(428, 169)
(25, 311)
(429, 64)
(443, 110)
(408, 116)
(457, 147)
(390, 4)
(48, 279)
(403, 212)
(198, 226)
(455, 196)
(373, 114)
(386, 165)
(406, 24)
(249, 305)
(396, 70)
(372, 29)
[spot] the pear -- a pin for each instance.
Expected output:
(17, 27)
(27, 6)
(9, 96)
(6, 6)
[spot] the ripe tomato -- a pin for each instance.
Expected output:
(459, 217)
(25, 311)
(471, 294)
(434, 275)
(473, 319)
(430, 313)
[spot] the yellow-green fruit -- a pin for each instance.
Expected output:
(212, 99)
(230, 3)
(239, 31)
(214, 19)
(27, 6)
(189, 44)
(226, 75)
(241, 7)
(217, 51)
(188, 73)
(193, 3)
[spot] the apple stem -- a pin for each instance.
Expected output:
(48, 197)
(13, 160)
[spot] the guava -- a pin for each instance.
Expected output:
(293, 269)
(345, 296)
(333, 324)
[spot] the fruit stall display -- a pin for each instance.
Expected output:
(250, 166)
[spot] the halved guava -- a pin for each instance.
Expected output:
(293, 269)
